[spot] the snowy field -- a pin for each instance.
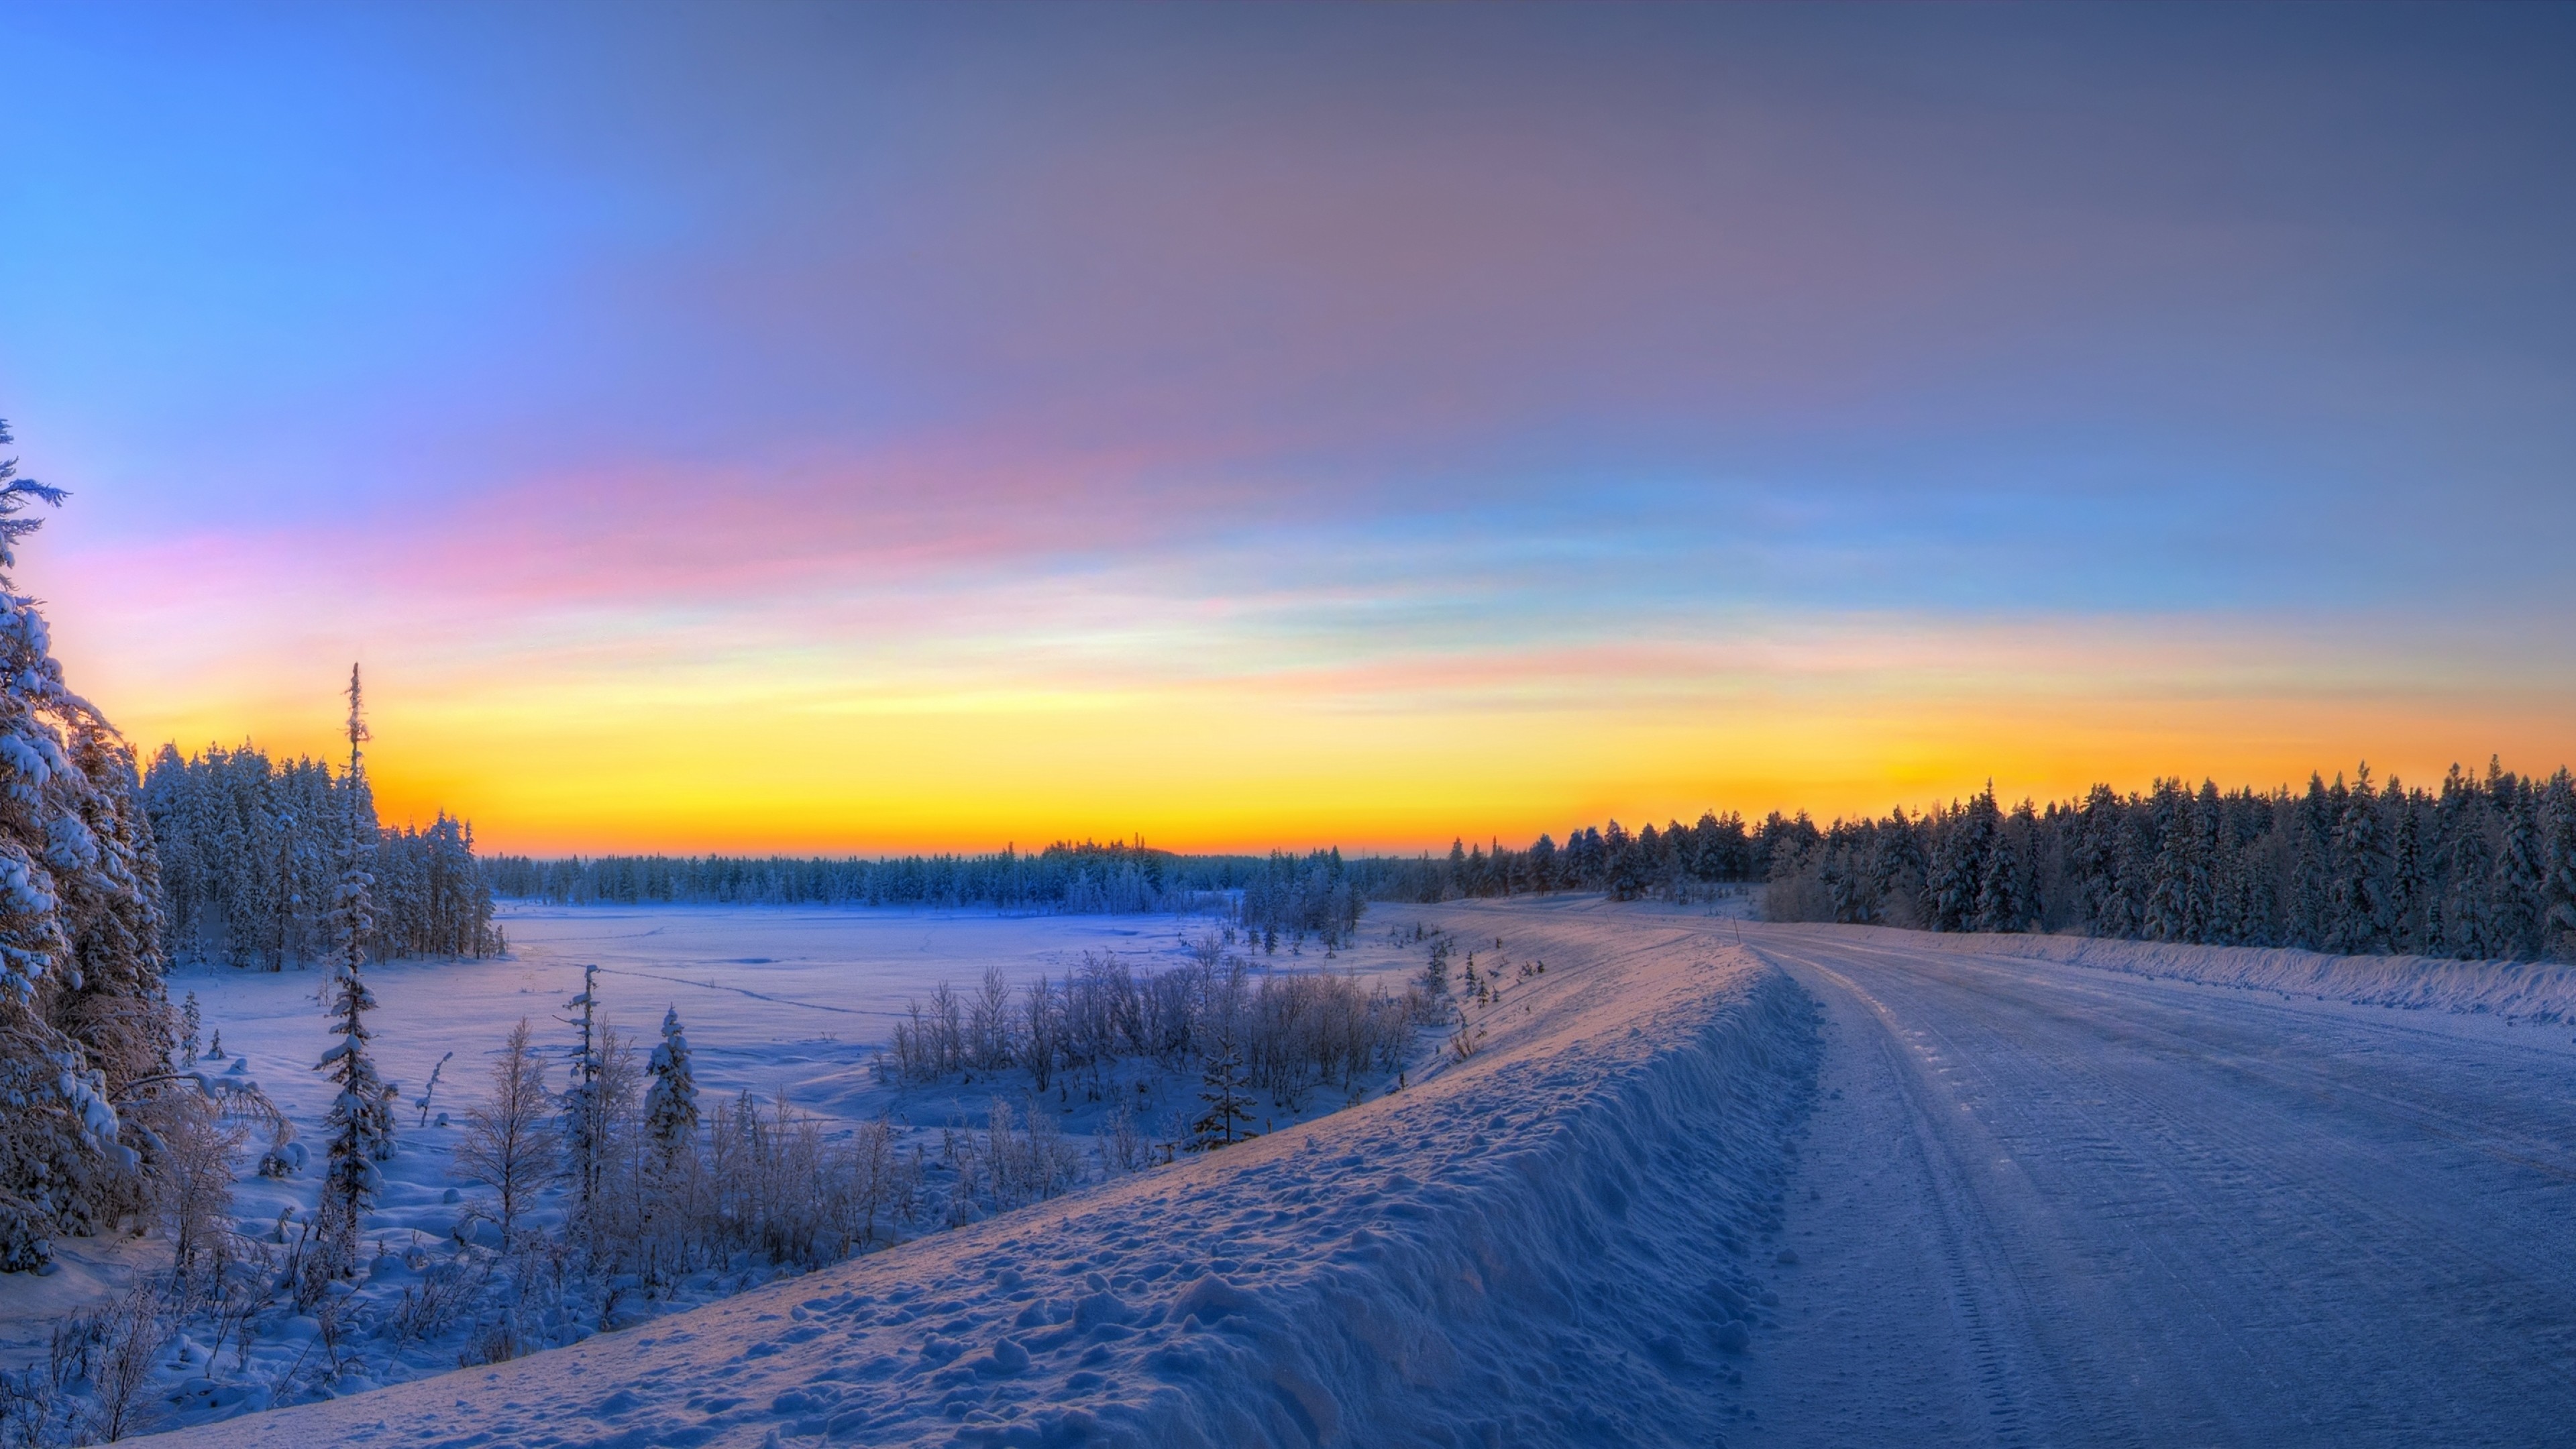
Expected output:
(1555, 1239)
(1716, 1182)
(774, 999)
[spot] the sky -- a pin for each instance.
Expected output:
(860, 428)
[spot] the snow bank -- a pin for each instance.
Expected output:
(1553, 1240)
(2523, 990)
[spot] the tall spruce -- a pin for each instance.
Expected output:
(2409, 876)
(2518, 903)
(361, 1119)
(2168, 913)
(83, 1014)
(2357, 921)
(585, 1115)
(671, 1103)
(2559, 843)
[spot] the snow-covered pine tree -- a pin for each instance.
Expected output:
(2169, 897)
(2409, 880)
(2227, 892)
(1960, 845)
(2092, 861)
(83, 1015)
(2518, 911)
(585, 1126)
(2469, 934)
(2559, 840)
(2201, 909)
(2311, 823)
(361, 1119)
(671, 1103)
(2004, 896)
(2357, 916)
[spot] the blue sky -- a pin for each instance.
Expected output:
(1832, 405)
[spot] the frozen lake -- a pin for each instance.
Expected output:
(773, 997)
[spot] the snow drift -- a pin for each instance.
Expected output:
(1551, 1239)
(2523, 990)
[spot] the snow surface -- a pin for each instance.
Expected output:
(799, 1000)
(2534, 990)
(2051, 1191)
(1552, 1240)
(2056, 1205)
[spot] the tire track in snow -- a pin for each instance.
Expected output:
(2019, 1404)
(747, 991)
(2244, 1220)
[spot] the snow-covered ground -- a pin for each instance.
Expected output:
(2056, 1205)
(1559, 1238)
(1712, 1181)
(2542, 991)
(774, 999)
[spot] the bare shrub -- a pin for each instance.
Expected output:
(507, 1144)
(120, 1350)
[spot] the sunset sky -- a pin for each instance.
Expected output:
(852, 428)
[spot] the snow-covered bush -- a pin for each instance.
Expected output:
(1293, 1032)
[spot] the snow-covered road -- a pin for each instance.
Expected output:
(2050, 1205)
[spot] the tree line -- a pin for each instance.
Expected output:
(1085, 878)
(2480, 867)
(1677, 862)
(251, 851)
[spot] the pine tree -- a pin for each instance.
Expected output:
(671, 1103)
(2093, 861)
(2468, 932)
(585, 1126)
(2520, 877)
(361, 1119)
(83, 1014)
(1221, 1087)
(2004, 894)
(2167, 917)
(2410, 882)
(2312, 864)
(1959, 854)
(2559, 842)
(2357, 921)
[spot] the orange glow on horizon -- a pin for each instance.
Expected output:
(563, 770)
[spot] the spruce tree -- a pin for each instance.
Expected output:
(2520, 876)
(2469, 934)
(83, 1014)
(2169, 897)
(2357, 921)
(2410, 882)
(1221, 1087)
(671, 1103)
(2312, 867)
(361, 1119)
(2003, 895)
(585, 1114)
(2559, 847)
